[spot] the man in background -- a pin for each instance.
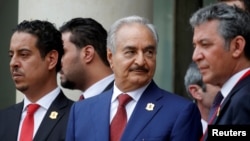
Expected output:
(35, 52)
(202, 93)
(84, 64)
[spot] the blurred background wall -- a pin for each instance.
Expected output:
(171, 18)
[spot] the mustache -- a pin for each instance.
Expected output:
(139, 68)
(16, 71)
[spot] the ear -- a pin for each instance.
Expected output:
(88, 53)
(109, 56)
(237, 46)
(194, 91)
(52, 58)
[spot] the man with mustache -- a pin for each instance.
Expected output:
(35, 52)
(135, 108)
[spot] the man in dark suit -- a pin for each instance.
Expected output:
(35, 52)
(202, 93)
(84, 64)
(151, 113)
(222, 53)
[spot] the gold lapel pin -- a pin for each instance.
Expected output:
(218, 111)
(150, 107)
(53, 115)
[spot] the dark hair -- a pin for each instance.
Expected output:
(48, 37)
(87, 31)
(233, 21)
(246, 3)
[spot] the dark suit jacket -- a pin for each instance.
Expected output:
(173, 118)
(235, 109)
(49, 130)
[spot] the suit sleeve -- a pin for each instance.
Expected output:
(188, 125)
(71, 125)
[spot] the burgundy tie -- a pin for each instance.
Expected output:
(120, 119)
(214, 109)
(81, 97)
(28, 123)
(213, 112)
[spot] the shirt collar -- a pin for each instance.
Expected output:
(45, 101)
(136, 94)
(98, 87)
(228, 86)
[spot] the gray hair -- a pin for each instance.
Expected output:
(233, 21)
(193, 77)
(111, 40)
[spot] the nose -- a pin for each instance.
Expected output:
(14, 62)
(140, 59)
(197, 55)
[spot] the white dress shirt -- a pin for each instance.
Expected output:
(135, 95)
(98, 87)
(204, 125)
(44, 103)
(231, 82)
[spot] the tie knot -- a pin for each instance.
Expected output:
(81, 97)
(32, 108)
(123, 99)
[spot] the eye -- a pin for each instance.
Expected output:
(129, 52)
(24, 53)
(10, 55)
(149, 52)
(194, 45)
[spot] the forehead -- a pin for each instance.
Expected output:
(135, 32)
(206, 30)
(23, 40)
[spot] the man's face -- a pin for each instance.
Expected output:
(213, 60)
(29, 71)
(71, 64)
(134, 60)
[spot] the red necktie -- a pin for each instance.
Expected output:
(28, 123)
(81, 97)
(213, 112)
(120, 119)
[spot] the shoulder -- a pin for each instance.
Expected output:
(167, 96)
(5, 112)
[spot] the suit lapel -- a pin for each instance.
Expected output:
(142, 115)
(226, 102)
(111, 84)
(52, 117)
(101, 119)
(14, 117)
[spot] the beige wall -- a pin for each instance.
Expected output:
(60, 11)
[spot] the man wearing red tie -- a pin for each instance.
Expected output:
(135, 109)
(35, 52)
(222, 52)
